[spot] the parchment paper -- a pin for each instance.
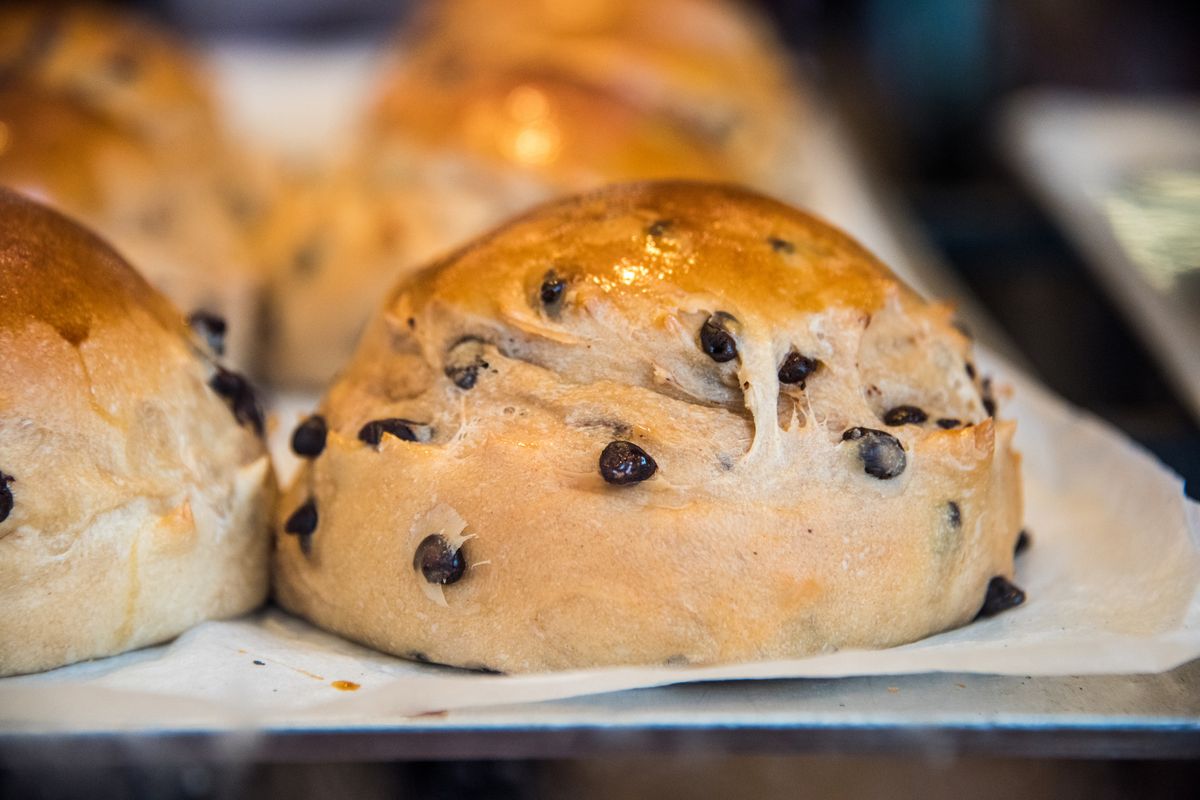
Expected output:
(1112, 576)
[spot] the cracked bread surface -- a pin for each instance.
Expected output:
(590, 408)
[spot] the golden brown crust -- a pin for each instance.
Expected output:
(139, 502)
(732, 226)
(770, 526)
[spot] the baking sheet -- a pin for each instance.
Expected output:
(1112, 580)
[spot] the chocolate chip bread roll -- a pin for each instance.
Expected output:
(664, 423)
(135, 490)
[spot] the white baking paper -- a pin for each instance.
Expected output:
(1112, 576)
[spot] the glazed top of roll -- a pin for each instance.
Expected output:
(643, 266)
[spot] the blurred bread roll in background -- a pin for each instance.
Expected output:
(111, 121)
(713, 66)
(118, 65)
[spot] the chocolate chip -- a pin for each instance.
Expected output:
(552, 291)
(904, 415)
(1023, 542)
(781, 245)
(954, 514)
(989, 400)
(240, 396)
(308, 440)
(303, 520)
(659, 227)
(302, 523)
(881, 453)
(796, 368)
(464, 361)
(1001, 596)
(258, 663)
(6, 496)
(970, 370)
(716, 340)
(438, 561)
(210, 326)
(372, 433)
(622, 463)
(948, 423)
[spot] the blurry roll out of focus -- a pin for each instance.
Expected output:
(111, 120)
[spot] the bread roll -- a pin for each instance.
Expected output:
(114, 64)
(135, 490)
(661, 423)
(712, 65)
